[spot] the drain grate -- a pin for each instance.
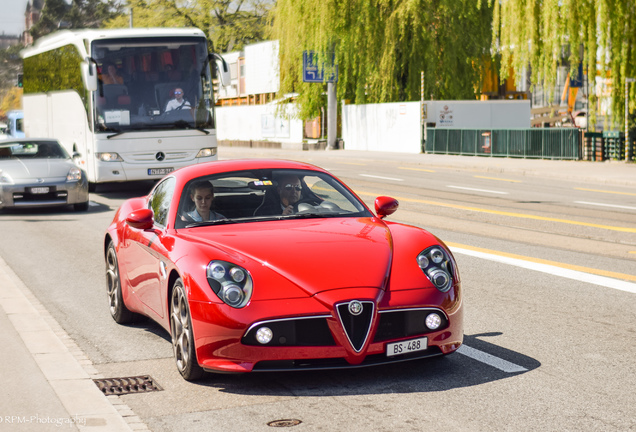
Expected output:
(127, 385)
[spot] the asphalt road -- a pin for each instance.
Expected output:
(548, 269)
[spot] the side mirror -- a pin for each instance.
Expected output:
(89, 74)
(385, 206)
(223, 68)
(141, 219)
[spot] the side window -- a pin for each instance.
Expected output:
(160, 200)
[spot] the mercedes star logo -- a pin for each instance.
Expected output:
(160, 156)
(355, 307)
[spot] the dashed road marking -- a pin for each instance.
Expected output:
(605, 205)
(491, 360)
(478, 190)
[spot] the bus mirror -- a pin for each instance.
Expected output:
(89, 75)
(224, 70)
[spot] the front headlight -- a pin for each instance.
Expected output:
(231, 283)
(109, 157)
(437, 266)
(74, 174)
(5, 178)
(206, 152)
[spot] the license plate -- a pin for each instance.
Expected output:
(159, 171)
(406, 347)
(39, 190)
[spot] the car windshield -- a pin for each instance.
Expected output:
(32, 150)
(265, 195)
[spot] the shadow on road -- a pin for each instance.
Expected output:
(427, 375)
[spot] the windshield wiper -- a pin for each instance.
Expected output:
(212, 222)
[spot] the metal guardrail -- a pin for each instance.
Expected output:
(539, 143)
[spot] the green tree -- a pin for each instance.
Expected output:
(58, 14)
(382, 46)
(10, 67)
(229, 24)
(546, 34)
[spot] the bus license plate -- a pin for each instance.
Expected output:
(39, 190)
(159, 171)
(406, 347)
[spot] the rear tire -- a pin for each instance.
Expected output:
(182, 335)
(118, 310)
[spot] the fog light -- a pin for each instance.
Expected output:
(264, 335)
(433, 321)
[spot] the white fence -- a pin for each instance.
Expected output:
(258, 123)
(393, 127)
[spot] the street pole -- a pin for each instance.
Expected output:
(628, 155)
(332, 116)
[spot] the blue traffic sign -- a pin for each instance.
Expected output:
(313, 72)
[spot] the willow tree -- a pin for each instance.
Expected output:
(381, 47)
(229, 24)
(546, 34)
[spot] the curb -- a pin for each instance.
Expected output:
(65, 367)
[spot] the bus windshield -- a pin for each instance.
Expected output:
(152, 83)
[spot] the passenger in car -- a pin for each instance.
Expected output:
(202, 195)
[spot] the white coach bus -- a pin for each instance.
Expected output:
(130, 104)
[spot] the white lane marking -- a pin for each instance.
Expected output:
(553, 270)
(93, 204)
(478, 190)
(490, 360)
(382, 178)
(605, 205)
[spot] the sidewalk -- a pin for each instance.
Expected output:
(615, 173)
(47, 380)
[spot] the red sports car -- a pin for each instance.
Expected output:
(268, 265)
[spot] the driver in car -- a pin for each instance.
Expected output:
(178, 102)
(289, 189)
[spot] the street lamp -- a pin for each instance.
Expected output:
(627, 155)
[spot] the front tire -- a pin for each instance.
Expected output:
(118, 309)
(81, 207)
(182, 335)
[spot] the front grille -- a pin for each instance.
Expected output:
(340, 363)
(53, 196)
(306, 331)
(400, 324)
(356, 327)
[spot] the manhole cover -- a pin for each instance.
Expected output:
(284, 423)
(127, 385)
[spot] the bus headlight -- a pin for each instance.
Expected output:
(109, 157)
(206, 152)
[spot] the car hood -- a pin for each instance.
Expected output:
(20, 169)
(314, 254)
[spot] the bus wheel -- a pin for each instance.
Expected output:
(92, 187)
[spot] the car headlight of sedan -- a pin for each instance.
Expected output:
(74, 174)
(437, 266)
(109, 157)
(5, 178)
(230, 282)
(206, 152)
